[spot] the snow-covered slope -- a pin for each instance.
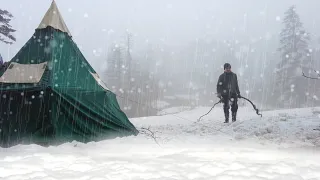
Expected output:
(288, 128)
(281, 145)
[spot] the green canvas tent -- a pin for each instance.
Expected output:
(49, 93)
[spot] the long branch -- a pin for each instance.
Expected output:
(310, 77)
(152, 135)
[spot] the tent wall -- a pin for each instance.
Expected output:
(24, 117)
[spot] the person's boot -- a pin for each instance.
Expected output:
(234, 116)
(226, 115)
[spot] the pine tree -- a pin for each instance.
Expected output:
(5, 27)
(291, 88)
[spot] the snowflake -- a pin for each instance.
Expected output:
(278, 18)
(121, 90)
(70, 10)
(287, 56)
(86, 15)
(53, 43)
(111, 31)
(220, 83)
(315, 97)
(310, 50)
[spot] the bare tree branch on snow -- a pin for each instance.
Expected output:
(150, 134)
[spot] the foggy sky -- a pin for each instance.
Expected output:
(95, 24)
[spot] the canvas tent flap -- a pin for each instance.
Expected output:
(99, 81)
(23, 73)
(54, 19)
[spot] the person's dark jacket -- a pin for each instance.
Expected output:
(228, 84)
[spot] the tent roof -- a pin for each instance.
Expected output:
(23, 73)
(54, 19)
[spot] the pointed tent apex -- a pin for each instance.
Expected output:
(54, 19)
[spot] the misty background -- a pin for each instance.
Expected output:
(161, 54)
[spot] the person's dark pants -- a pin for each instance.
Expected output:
(227, 101)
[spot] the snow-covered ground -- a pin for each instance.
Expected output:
(282, 145)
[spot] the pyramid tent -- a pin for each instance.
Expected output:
(49, 93)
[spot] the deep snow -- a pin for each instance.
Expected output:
(280, 145)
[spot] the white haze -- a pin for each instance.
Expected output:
(174, 23)
(189, 41)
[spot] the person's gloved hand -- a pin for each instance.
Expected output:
(219, 96)
(239, 96)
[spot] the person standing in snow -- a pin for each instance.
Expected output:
(228, 91)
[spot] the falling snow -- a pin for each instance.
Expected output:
(168, 66)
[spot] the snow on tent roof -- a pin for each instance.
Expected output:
(23, 73)
(54, 19)
(99, 81)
